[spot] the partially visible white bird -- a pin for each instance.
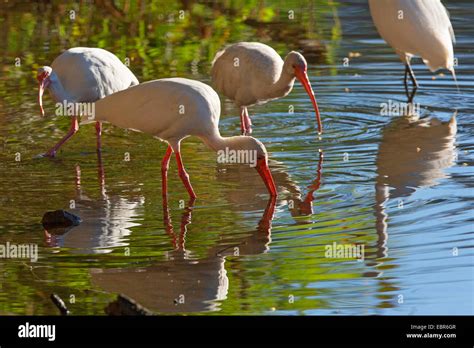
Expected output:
(83, 74)
(173, 109)
(253, 73)
(416, 28)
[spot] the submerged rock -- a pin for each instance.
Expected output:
(60, 218)
(124, 305)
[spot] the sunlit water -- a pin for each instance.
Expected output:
(400, 186)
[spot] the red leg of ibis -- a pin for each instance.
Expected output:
(73, 130)
(242, 120)
(184, 176)
(98, 131)
(164, 172)
(248, 122)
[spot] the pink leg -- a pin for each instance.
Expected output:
(73, 130)
(164, 172)
(248, 122)
(242, 120)
(98, 131)
(184, 176)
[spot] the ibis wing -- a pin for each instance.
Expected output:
(90, 74)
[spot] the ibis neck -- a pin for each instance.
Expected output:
(283, 85)
(58, 92)
(217, 142)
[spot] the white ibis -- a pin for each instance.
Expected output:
(416, 28)
(253, 73)
(79, 75)
(173, 109)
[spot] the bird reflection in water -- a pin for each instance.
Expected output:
(106, 223)
(414, 153)
(184, 284)
(290, 191)
(305, 206)
(178, 241)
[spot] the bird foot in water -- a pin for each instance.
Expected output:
(49, 154)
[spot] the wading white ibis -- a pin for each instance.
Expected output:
(83, 74)
(173, 109)
(416, 28)
(253, 73)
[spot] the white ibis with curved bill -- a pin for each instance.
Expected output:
(253, 73)
(173, 109)
(80, 75)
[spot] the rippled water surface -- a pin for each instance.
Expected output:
(399, 185)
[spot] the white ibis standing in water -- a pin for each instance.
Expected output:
(253, 73)
(173, 109)
(81, 75)
(416, 28)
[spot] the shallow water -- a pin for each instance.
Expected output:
(400, 186)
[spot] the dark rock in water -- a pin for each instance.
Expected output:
(60, 218)
(124, 305)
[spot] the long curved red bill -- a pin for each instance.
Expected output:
(302, 76)
(264, 171)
